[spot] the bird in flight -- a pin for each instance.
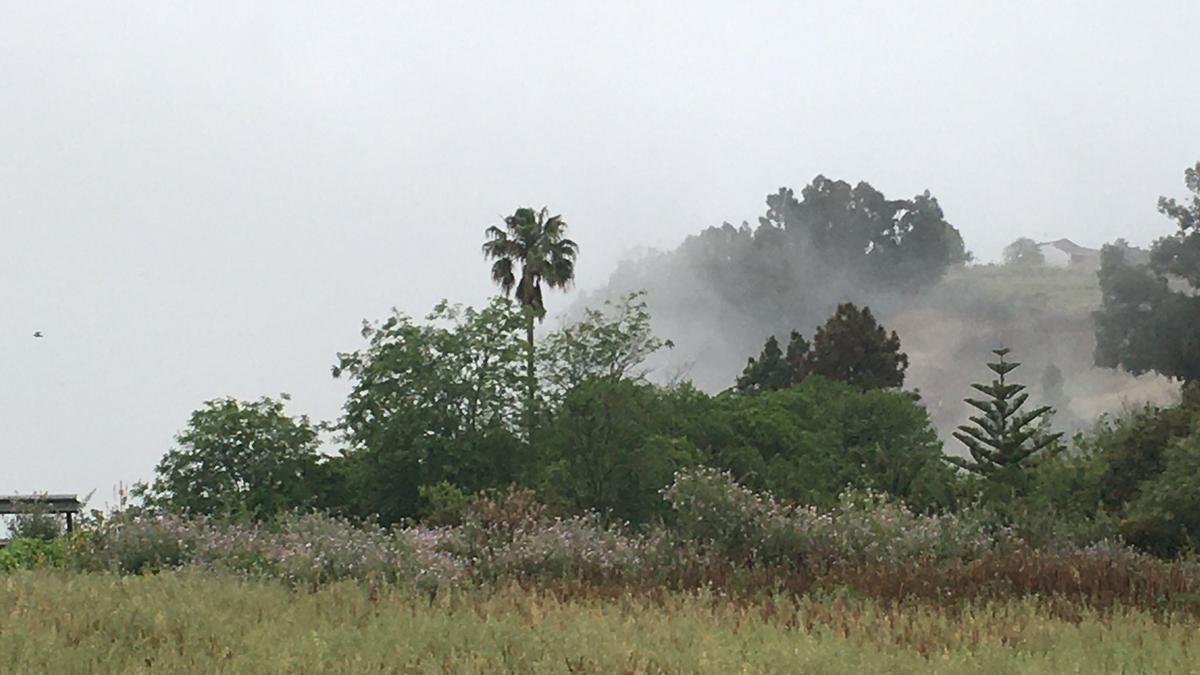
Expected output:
(38, 334)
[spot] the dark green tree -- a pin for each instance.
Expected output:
(1145, 324)
(1164, 517)
(774, 369)
(1003, 439)
(853, 348)
(433, 402)
(242, 458)
(531, 250)
(811, 441)
(607, 439)
(1132, 448)
(612, 450)
(891, 241)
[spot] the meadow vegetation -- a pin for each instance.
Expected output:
(500, 504)
(186, 623)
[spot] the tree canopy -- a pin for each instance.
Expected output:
(531, 249)
(890, 241)
(850, 347)
(239, 458)
(439, 401)
(1002, 439)
(853, 348)
(1147, 323)
(1024, 251)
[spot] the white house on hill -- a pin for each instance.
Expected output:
(1066, 253)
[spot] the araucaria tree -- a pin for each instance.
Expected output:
(531, 250)
(1003, 438)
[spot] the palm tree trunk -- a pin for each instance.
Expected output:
(531, 381)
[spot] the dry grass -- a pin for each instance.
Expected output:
(64, 623)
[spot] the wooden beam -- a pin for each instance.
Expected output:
(16, 504)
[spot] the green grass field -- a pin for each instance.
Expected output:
(64, 623)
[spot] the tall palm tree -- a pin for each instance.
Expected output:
(534, 242)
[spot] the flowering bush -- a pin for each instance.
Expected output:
(721, 534)
(138, 543)
(864, 526)
(512, 535)
(303, 550)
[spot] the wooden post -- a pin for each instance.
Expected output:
(70, 522)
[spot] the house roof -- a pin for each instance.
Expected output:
(1069, 247)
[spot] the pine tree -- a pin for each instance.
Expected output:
(1003, 438)
(853, 348)
(773, 369)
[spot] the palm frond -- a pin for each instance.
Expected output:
(502, 274)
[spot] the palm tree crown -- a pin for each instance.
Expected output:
(535, 241)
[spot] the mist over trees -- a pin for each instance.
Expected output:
(850, 347)
(905, 242)
(465, 403)
(726, 289)
(1024, 251)
(1151, 310)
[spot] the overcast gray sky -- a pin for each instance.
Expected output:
(202, 199)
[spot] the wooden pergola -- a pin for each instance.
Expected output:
(67, 505)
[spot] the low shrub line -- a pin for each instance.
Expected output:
(721, 537)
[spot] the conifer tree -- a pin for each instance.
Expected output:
(773, 369)
(853, 348)
(1003, 438)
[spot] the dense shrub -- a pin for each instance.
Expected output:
(30, 553)
(862, 527)
(1165, 516)
(720, 536)
(812, 441)
(304, 550)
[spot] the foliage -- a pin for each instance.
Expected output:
(610, 448)
(901, 241)
(24, 553)
(1179, 254)
(862, 526)
(302, 550)
(1132, 448)
(35, 522)
(774, 369)
(535, 242)
(852, 348)
(239, 457)
(444, 503)
(1164, 517)
(810, 442)
(606, 437)
(511, 535)
(609, 344)
(1003, 439)
(432, 402)
(1144, 324)
(1024, 252)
